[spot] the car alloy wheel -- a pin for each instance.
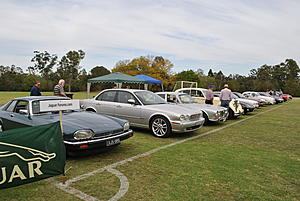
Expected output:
(160, 127)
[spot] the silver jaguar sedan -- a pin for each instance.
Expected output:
(145, 109)
(210, 112)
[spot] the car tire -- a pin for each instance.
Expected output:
(160, 127)
(206, 119)
(231, 114)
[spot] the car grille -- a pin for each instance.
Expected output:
(195, 117)
(106, 134)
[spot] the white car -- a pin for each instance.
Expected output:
(251, 94)
(199, 94)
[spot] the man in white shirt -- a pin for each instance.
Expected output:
(225, 96)
(209, 96)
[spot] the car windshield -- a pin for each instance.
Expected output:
(264, 94)
(234, 96)
(185, 98)
(239, 95)
(36, 108)
(149, 98)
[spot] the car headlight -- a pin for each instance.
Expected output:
(83, 134)
(126, 126)
(184, 117)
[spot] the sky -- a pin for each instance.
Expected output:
(233, 36)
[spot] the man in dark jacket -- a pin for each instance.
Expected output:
(35, 90)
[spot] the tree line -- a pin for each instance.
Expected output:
(48, 69)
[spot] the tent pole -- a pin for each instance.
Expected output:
(88, 88)
(162, 87)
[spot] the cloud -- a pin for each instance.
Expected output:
(232, 35)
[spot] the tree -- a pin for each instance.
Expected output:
(220, 79)
(69, 66)
(99, 71)
(292, 69)
(200, 72)
(43, 63)
(156, 67)
(188, 75)
(210, 73)
(11, 78)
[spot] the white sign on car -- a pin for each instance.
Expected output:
(59, 105)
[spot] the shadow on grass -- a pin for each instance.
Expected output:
(85, 154)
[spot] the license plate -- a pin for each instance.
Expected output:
(112, 142)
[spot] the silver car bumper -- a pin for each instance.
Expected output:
(92, 141)
(183, 127)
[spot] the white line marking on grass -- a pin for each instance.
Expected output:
(124, 184)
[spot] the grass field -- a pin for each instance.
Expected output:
(257, 159)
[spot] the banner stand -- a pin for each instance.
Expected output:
(59, 105)
(60, 122)
(63, 176)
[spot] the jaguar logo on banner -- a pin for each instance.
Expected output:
(31, 154)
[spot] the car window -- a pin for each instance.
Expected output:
(186, 91)
(107, 96)
(149, 98)
(124, 96)
(185, 98)
(21, 105)
(11, 106)
(171, 98)
(35, 107)
(162, 95)
(196, 93)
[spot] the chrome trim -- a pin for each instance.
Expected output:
(98, 140)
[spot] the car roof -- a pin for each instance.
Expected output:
(170, 92)
(191, 88)
(129, 90)
(31, 98)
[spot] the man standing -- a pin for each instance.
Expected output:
(209, 95)
(35, 90)
(59, 89)
(225, 96)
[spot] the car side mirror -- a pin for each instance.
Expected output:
(131, 101)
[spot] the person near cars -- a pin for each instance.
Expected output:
(209, 96)
(59, 89)
(225, 96)
(35, 90)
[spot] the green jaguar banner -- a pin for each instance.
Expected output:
(31, 154)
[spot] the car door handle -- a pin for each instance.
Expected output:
(12, 115)
(118, 106)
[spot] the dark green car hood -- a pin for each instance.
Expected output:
(74, 121)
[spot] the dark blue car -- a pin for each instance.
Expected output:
(81, 130)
